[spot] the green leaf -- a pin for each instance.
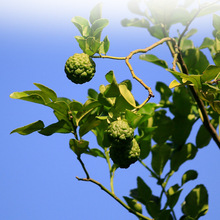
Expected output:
(133, 204)
(181, 133)
(196, 202)
(216, 21)
(59, 106)
(95, 153)
(136, 22)
(27, 96)
(127, 95)
(216, 59)
(93, 94)
(154, 59)
(145, 144)
(164, 215)
(194, 79)
(174, 84)
(98, 26)
(160, 156)
(78, 146)
(110, 77)
(96, 13)
(164, 127)
(82, 25)
(144, 190)
(134, 119)
(104, 46)
(58, 127)
(148, 109)
(186, 44)
(165, 93)
(173, 195)
(153, 206)
(203, 137)
(195, 60)
(28, 129)
(189, 175)
(75, 106)
(210, 73)
(207, 43)
(88, 124)
(49, 92)
(187, 152)
(156, 31)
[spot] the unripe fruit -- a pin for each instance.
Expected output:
(80, 68)
(119, 131)
(125, 155)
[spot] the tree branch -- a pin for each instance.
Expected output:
(114, 197)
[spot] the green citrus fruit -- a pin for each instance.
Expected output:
(119, 131)
(80, 68)
(125, 155)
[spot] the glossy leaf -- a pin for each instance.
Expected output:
(95, 153)
(29, 96)
(78, 146)
(165, 93)
(145, 144)
(28, 129)
(144, 190)
(156, 31)
(196, 202)
(104, 46)
(153, 207)
(216, 59)
(174, 84)
(180, 133)
(195, 60)
(164, 215)
(49, 92)
(127, 95)
(75, 106)
(59, 106)
(160, 156)
(96, 13)
(133, 204)
(188, 176)
(173, 195)
(210, 73)
(82, 25)
(187, 152)
(203, 137)
(154, 59)
(164, 127)
(88, 124)
(98, 26)
(207, 43)
(93, 94)
(58, 127)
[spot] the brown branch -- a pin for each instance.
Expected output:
(201, 106)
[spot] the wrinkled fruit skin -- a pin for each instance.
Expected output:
(120, 132)
(125, 155)
(80, 68)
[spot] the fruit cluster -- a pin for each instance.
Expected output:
(124, 149)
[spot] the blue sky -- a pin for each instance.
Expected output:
(38, 172)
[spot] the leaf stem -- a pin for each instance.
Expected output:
(151, 171)
(114, 197)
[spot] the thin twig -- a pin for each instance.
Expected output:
(83, 166)
(114, 197)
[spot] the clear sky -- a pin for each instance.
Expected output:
(37, 173)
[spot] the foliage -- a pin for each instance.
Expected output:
(161, 129)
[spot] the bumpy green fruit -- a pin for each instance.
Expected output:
(120, 132)
(80, 68)
(125, 155)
